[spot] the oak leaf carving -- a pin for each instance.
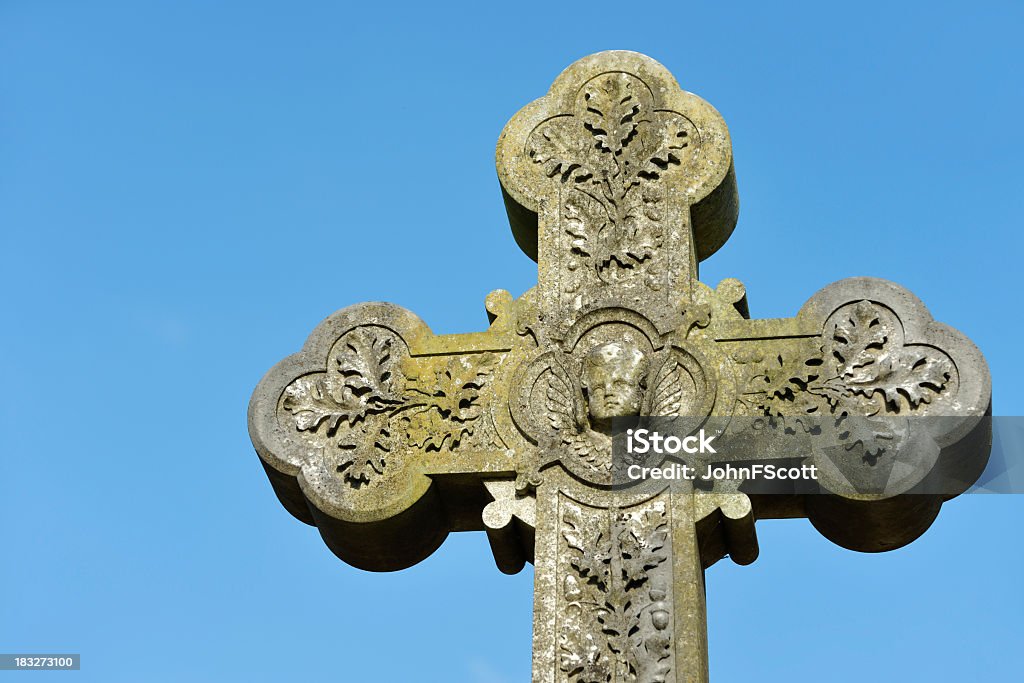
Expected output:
(446, 402)
(870, 363)
(363, 452)
(313, 405)
(641, 546)
(672, 137)
(593, 550)
(612, 112)
(559, 152)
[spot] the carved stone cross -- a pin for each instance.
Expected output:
(387, 437)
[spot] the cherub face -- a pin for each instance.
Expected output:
(614, 378)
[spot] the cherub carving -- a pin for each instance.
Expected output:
(614, 381)
(565, 400)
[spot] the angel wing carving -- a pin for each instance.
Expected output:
(563, 399)
(667, 394)
(681, 387)
(566, 414)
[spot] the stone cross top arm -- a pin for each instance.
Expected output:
(618, 183)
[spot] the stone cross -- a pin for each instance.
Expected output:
(618, 183)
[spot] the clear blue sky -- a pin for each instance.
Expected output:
(187, 188)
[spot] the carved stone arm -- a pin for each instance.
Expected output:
(381, 434)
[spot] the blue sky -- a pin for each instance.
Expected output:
(187, 188)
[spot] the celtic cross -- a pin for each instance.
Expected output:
(618, 183)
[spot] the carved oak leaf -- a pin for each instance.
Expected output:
(365, 362)
(858, 343)
(673, 137)
(612, 112)
(360, 386)
(582, 659)
(360, 470)
(313, 405)
(618, 618)
(450, 403)
(585, 216)
(464, 380)
(634, 561)
(784, 384)
(365, 448)
(874, 436)
(593, 551)
(427, 428)
(614, 621)
(596, 671)
(914, 374)
(558, 151)
(835, 391)
(652, 195)
(455, 387)
(593, 566)
(862, 344)
(641, 546)
(360, 464)
(639, 235)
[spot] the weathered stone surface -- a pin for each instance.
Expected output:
(387, 437)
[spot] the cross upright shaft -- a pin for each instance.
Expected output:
(618, 183)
